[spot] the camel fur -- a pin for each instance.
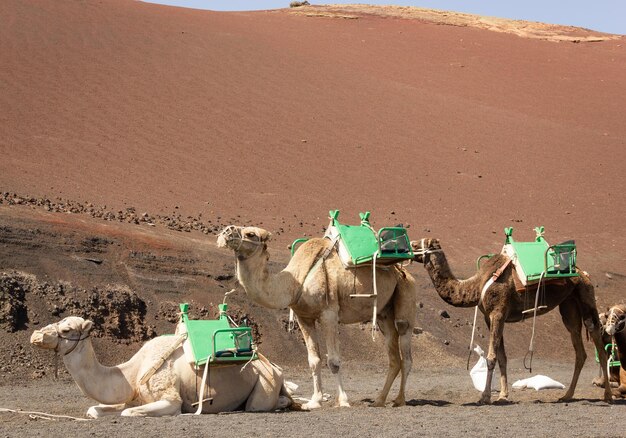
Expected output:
(317, 287)
(503, 304)
(614, 331)
(172, 387)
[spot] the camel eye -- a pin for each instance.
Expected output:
(250, 235)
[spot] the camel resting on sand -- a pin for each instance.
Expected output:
(501, 303)
(318, 288)
(158, 380)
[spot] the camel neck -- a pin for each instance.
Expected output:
(108, 385)
(458, 293)
(271, 291)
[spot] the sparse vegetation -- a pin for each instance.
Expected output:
(296, 4)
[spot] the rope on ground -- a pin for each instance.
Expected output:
(42, 415)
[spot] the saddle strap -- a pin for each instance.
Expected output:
(167, 353)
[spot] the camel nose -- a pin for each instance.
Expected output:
(226, 235)
(610, 329)
(37, 338)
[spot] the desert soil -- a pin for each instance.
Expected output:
(132, 133)
(441, 402)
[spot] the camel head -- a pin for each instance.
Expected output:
(614, 320)
(62, 337)
(423, 248)
(245, 241)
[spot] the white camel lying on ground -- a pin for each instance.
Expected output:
(158, 380)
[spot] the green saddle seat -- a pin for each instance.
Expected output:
(538, 259)
(215, 340)
(360, 244)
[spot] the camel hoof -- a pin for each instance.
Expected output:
(484, 401)
(377, 404)
(342, 404)
(398, 402)
(130, 412)
(309, 406)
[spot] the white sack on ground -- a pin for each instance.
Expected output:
(538, 382)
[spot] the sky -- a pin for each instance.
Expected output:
(601, 15)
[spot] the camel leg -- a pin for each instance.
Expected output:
(502, 362)
(621, 390)
(101, 410)
(495, 322)
(155, 409)
(570, 314)
(587, 309)
(330, 325)
(307, 326)
(387, 327)
(404, 336)
(266, 392)
(405, 311)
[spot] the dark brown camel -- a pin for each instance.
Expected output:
(501, 304)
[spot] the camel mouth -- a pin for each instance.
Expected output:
(610, 329)
(228, 235)
(221, 241)
(38, 339)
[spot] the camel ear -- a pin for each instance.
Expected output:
(265, 236)
(87, 326)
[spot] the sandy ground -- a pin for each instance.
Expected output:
(440, 402)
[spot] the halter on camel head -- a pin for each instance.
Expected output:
(234, 237)
(57, 333)
(423, 248)
(615, 320)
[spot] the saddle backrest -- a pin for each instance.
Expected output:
(360, 244)
(538, 259)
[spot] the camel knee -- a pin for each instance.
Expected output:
(591, 325)
(314, 363)
(402, 326)
(334, 364)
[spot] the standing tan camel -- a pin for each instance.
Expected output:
(158, 380)
(501, 303)
(317, 287)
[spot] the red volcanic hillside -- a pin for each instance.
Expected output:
(270, 114)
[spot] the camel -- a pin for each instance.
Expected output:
(502, 304)
(158, 380)
(613, 324)
(317, 286)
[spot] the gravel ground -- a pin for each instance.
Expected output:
(441, 403)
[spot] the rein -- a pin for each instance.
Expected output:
(425, 251)
(76, 340)
(56, 349)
